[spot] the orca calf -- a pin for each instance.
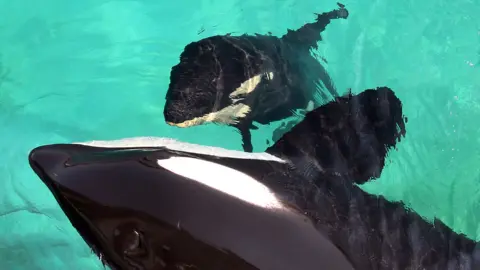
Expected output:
(153, 203)
(236, 80)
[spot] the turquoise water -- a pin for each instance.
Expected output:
(84, 70)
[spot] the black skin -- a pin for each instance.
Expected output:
(212, 68)
(244, 129)
(336, 146)
(343, 144)
(303, 35)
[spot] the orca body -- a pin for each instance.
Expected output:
(239, 80)
(153, 204)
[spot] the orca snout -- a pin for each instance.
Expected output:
(66, 168)
(47, 160)
(106, 176)
(175, 113)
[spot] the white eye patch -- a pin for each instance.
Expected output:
(224, 179)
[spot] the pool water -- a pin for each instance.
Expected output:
(84, 70)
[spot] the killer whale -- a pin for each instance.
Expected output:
(136, 204)
(239, 80)
(144, 216)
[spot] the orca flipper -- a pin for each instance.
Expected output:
(348, 137)
(244, 129)
(309, 34)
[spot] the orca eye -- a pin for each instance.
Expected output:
(134, 241)
(134, 245)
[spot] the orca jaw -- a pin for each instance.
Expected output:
(74, 215)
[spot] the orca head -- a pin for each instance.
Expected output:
(152, 207)
(214, 77)
(132, 213)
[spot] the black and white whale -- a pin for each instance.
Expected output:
(152, 203)
(238, 80)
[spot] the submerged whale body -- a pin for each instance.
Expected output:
(153, 203)
(238, 80)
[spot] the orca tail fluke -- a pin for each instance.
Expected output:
(347, 137)
(309, 34)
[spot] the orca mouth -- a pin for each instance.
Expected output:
(73, 214)
(179, 118)
(189, 123)
(181, 124)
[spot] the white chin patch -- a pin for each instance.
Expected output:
(224, 179)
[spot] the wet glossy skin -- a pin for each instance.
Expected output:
(239, 80)
(136, 215)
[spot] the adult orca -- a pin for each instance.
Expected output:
(236, 80)
(153, 203)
